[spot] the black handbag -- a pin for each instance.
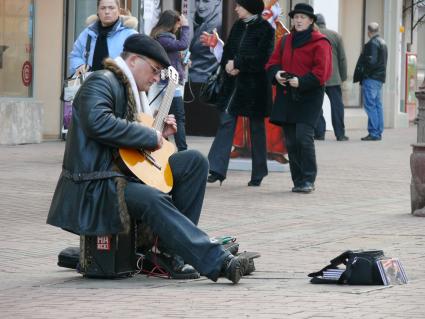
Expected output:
(361, 268)
(359, 70)
(210, 90)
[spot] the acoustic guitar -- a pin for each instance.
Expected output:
(152, 167)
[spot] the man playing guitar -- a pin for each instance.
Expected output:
(93, 197)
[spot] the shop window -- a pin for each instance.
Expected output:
(16, 48)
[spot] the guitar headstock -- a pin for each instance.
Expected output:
(172, 75)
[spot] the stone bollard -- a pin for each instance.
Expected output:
(417, 160)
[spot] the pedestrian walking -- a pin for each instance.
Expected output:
(301, 69)
(333, 85)
(371, 73)
(245, 92)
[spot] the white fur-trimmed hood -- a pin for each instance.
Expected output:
(128, 21)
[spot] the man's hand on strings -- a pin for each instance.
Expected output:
(170, 127)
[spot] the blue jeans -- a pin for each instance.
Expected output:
(372, 100)
(177, 108)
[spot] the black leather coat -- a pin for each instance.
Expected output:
(372, 63)
(85, 200)
(250, 46)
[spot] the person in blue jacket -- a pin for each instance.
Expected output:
(108, 31)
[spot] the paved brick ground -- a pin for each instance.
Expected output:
(362, 201)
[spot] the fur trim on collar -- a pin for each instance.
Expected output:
(128, 21)
(112, 66)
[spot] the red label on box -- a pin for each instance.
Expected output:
(104, 242)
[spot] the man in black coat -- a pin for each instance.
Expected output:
(93, 197)
(371, 73)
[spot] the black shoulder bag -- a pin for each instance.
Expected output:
(210, 90)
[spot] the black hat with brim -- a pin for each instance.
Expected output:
(305, 9)
(146, 46)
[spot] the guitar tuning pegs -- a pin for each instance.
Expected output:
(171, 74)
(164, 74)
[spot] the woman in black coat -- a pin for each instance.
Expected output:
(246, 90)
(300, 71)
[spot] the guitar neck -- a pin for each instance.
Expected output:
(164, 108)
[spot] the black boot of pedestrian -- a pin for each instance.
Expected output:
(214, 177)
(255, 182)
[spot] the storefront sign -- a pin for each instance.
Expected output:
(185, 8)
(27, 73)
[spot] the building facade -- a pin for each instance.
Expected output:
(37, 35)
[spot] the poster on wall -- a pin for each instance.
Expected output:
(151, 10)
(203, 15)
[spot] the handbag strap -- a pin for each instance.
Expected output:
(156, 96)
(87, 49)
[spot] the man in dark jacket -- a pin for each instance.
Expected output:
(93, 197)
(333, 85)
(371, 72)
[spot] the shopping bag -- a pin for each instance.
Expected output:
(70, 89)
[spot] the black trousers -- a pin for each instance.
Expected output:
(219, 154)
(174, 217)
(337, 113)
(299, 138)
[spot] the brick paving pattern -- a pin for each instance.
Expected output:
(362, 200)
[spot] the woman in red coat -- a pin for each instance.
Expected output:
(301, 71)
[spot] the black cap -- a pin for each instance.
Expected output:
(320, 19)
(252, 6)
(305, 9)
(146, 46)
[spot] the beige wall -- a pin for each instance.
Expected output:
(351, 26)
(48, 62)
(374, 13)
